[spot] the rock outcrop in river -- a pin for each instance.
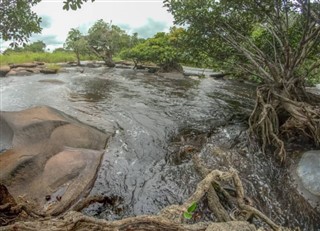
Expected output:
(49, 158)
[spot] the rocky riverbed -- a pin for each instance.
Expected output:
(158, 123)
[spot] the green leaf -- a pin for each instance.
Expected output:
(192, 207)
(187, 215)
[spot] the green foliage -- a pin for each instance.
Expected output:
(60, 49)
(18, 21)
(160, 50)
(105, 40)
(256, 38)
(53, 67)
(77, 43)
(38, 46)
(313, 76)
(189, 213)
(73, 4)
(25, 57)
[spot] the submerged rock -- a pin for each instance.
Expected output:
(51, 159)
(49, 71)
(309, 171)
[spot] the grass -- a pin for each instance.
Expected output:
(25, 57)
(53, 67)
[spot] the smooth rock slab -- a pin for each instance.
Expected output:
(309, 171)
(50, 158)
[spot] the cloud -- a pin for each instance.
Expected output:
(151, 28)
(45, 21)
(47, 39)
(124, 26)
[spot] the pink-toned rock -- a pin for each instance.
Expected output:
(4, 70)
(20, 71)
(49, 155)
(49, 71)
(25, 65)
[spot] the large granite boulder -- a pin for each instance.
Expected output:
(48, 157)
(4, 70)
(309, 171)
(308, 177)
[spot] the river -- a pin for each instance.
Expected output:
(154, 117)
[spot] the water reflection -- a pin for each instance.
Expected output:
(90, 89)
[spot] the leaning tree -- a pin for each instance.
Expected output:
(105, 40)
(277, 41)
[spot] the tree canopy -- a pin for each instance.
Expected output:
(18, 21)
(77, 43)
(275, 41)
(38, 46)
(105, 39)
(159, 49)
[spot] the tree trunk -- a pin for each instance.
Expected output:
(78, 59)
(108, 60)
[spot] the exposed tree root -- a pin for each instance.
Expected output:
(242, 201)
(298, 116)
(170, 218)
(213, 200)
(77, 221)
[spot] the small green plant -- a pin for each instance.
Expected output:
(189, 213)
(53, 67)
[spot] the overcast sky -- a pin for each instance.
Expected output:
(143, 16)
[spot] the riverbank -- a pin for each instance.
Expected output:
(46, 57)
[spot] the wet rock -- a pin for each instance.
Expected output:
(53, 81)
(171, 75)
(219, 75)
(93, 65)
(30, 68)
(49, 71)
(24, 65)
(51, 158)
(19, 72)
(309, 171)
(126, 63)
(4, 70)
(123, 66)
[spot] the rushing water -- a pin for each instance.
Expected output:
(154, 117)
